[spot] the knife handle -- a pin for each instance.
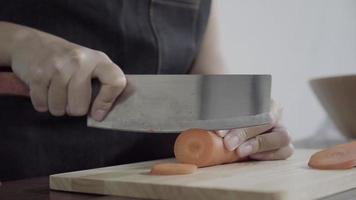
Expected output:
(10, 85)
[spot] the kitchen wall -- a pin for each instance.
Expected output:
(295, 41)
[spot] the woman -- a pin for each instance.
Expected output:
(57, 47)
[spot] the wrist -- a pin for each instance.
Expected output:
(21, 37)
(10, 36)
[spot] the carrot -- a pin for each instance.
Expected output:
(173, 169)
(342, 156)
(202, 148)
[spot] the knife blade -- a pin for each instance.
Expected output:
(173, 103)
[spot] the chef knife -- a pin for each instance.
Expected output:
(173, 103)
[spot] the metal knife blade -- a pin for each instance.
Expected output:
(173, 103)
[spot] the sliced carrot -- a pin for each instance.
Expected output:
(342, 156)
(202, 148)
(173, 169)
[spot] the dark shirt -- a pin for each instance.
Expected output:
(141, 36)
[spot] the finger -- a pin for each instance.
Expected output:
(238, 136)
(113, 82)
(264, 142)
(280, 154)
(39, 91)
(276, 112)
(79, 93)
(57, 95)
(221, 133)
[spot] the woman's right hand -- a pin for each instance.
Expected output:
(59, 75)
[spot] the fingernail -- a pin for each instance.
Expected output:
(99, 114)
(221, 133)
(245, 150)
(231, 142)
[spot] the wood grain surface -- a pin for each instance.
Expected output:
(270, 180)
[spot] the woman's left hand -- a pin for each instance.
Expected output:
(265, 142)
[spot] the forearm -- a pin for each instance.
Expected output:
(210, 57)
(211, 62)
(9, 34)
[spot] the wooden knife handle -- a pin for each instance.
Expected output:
(10, 85)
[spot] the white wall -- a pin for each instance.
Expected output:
(294, 40)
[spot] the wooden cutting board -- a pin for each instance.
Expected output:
(290, 179)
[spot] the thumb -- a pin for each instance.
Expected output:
(113, 82)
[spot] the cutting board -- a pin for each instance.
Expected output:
(289, 179)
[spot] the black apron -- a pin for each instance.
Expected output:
(141, 36)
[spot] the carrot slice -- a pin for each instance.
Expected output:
(173, 169)
(342, 156)
(202, 148)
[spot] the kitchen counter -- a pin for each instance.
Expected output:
(38, 188)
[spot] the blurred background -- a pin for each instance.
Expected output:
(295, 41)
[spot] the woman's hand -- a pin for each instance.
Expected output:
(265, 142)
(59, 74)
